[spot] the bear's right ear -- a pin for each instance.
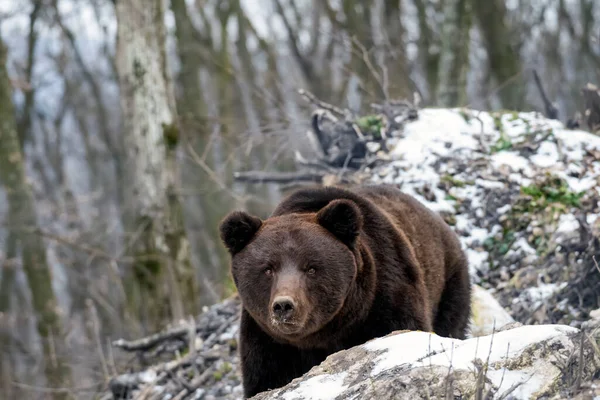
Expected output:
(342, 218)
(237, 229)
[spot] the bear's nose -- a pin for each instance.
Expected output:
(283, 307)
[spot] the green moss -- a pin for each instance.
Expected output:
(504, 142)
(543, 203)
(453, 181)
(552, 190)
(371, 125)
(171, 135)
(222, 371)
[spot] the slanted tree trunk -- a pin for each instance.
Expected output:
(454, 58)
(24, 241)
(162, 275)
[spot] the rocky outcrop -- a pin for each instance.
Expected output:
(542, 361)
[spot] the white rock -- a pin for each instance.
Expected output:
(488, 315)
(405, 364)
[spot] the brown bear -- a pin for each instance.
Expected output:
(333, 268)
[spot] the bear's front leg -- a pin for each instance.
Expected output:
(266, 364)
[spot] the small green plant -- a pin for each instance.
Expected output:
(552, 190)
(503, 143)
(502, 245)
(371, 125)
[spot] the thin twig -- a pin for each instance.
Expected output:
(370, 66)
(311, 98)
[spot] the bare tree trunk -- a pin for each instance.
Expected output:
(455, 53)
(429, 52)
(151, 135)
(504, 59)
(22, 231)
(401, 85)
(196, 130)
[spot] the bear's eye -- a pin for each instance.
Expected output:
(311, 271)
(268, 271)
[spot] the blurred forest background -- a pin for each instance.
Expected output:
(121, 123)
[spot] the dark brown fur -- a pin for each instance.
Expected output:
(356, 264)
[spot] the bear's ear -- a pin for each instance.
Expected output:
(237, 229)
(342, 218)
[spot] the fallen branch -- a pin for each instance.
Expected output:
(277, 177)
(311, 98)
(151, 341)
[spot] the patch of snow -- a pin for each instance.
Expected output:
(513, 160)
(430, 133)
(522, 244)
(504, 209)
(489, 184)
(526, 383)
(320, 387)
(148, 376)
(479, 234)
(537, 295)
(547, 155)
(567, 223)
(478, 260)
(422, 349)
(230, 333)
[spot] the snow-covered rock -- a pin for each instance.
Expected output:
(525, 362)
(488, 316)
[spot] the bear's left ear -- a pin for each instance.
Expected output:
(342, 218)
(237, 229)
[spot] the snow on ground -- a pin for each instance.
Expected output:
(422, 349)
(320, 387)
(538, 294)
(514, 149)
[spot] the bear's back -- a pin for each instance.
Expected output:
(435, 246)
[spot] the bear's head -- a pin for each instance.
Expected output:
(294, 271)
